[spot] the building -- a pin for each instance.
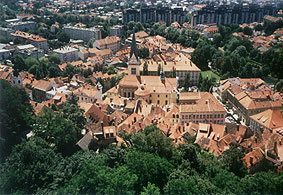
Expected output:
(110, 42)
(153, 89)
(88, 93)
(28, 50)
(231, 14)
(200, 107)
(5, 33)
(40, 89)
(116, 30)
(35, 40)
(67, 54)
(22, 26)
(84, 34)
(4, 54)
(154, 14)
(267, 120)
(248, 96)
(182, 67)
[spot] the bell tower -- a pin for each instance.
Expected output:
(134, 62)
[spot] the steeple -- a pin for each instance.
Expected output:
(134, 49)
(134, 62)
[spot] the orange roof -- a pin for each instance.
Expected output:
(42, 85)
(206, 103)
(270, 119)
(151, 83)
(253, 157)
(28, 36)
(107, 41)
(87, 90)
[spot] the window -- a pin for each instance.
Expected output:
(157, 95)
(125, 94)
(166, 95)
(133, 71)
(166, 102)
(158, 101)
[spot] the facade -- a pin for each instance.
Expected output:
(35, 40)
(110, 42)
(29, 51)
(67, 54)
(116, 30)
(84, 34)
(4, 54)
(22, 26)
(89, 94)
(231, 14)
(182, 68)
(39, 90)
(152, 15)
(200, 107)
(248, 96)
(5, 33)
(271, 120)
(152, 89)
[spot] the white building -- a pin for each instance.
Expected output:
(29, 50)
(67, 54)
(84, 34)
(4, 54)
(22, 26)
(116, 30)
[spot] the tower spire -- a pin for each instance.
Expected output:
(134, 49)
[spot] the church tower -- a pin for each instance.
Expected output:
(134, 62)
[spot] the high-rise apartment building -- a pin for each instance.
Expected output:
(231, 14)
(152, 14)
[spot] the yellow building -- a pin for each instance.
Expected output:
(153, 89)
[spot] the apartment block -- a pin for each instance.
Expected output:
(67, 54)
(84, 34)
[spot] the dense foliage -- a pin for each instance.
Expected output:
(147, 163)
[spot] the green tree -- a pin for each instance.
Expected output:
(202, 55)
(58, 131)
(149, 168)
(182, 183)
(232, 161)
(143, 52)
(28, 168)
(154, 141)
(63, 37)
(279, 85)
(16, 116)
(19, 64)
(217, 39)
(247, 31)
(150, 189)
